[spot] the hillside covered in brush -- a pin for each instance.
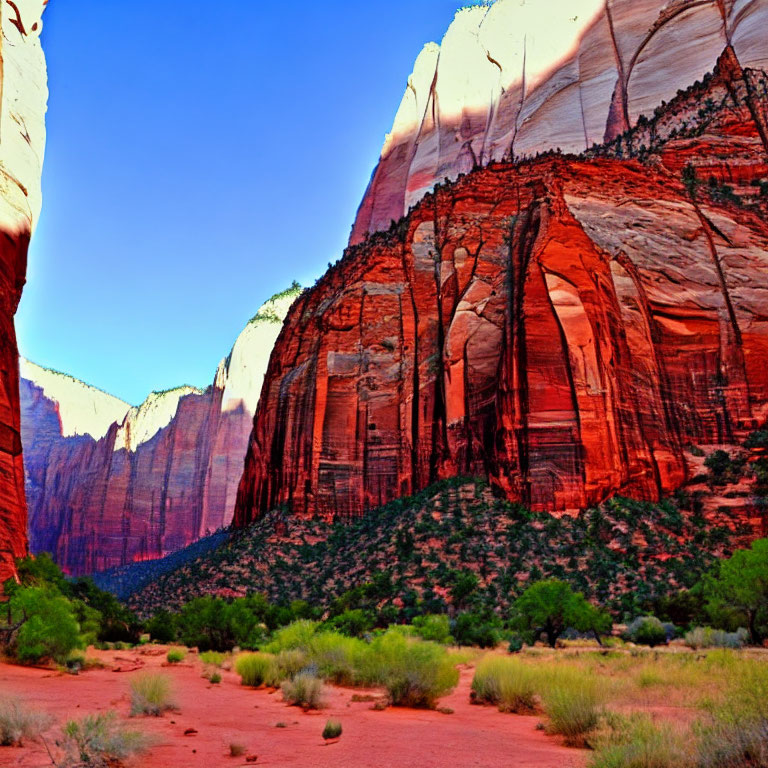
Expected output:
(453, 545)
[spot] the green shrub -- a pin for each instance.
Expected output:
(433, 627)
(515, 643)
(332, 730)
(162, 627)
(290, 663)
(508, 683)
(638, 742)
(415, 673)
(176, 655)
(295, 636)
(646, 630)
(214, 658)
(214, 678)
(304, 691)
(354, 623)
(336, 657)
(257, 669)
(573, 703)
(50, 629)
(98, 741)
(19, 723)
(151, 694)
(478, 629)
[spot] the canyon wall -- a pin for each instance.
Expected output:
(518, 78)
(109, 484)
(23, 99)
(563, 326)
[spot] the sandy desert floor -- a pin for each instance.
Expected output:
(211, 717)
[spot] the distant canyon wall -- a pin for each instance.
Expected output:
(109, 484)
(23, 100)
(519, 78)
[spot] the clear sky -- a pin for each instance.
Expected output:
(201, 156)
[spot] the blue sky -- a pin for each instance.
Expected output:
(201, 156)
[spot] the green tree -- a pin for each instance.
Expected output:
(47, 627)
(551, 607)
(739, 586)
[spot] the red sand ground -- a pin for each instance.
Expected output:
(471, 737)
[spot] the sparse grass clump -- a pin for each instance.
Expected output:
(236, 750)
(508, 683)
(257, 669)
(706, 637)
(304, 691)
(213, 658)
(214, 678)
(573, 703)
(151, 694)
(99, 741)
(176, 655)
(638, 742)
(332, 730)
(415, 673)
(19, 723)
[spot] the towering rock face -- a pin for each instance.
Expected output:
(564, 326)
(23, 98)
(518, 78)
(108, 484)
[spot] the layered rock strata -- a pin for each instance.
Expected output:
(563, 326)
(518, 78)
(23, 98)
(110, 484)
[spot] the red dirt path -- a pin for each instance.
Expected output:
(471, 737)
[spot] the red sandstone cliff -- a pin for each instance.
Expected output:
(564, 326)
(23, 96)
(108, 484)
(518, 78)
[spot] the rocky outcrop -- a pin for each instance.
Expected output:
(518, 78)
(563, 326)
(23, 97)
(110, 484)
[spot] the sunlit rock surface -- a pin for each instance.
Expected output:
(563, 326)
(23, 99)
(522, 77)
(109, 484)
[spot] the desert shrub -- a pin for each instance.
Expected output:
(415, 673)
(98, 741)
(214, 658)
(50, 629)
(638, 742)
(290, 663)
(336, 657)
(257, 669)
(176, 655)
(215, 678)
(353, 623)
(304, 691)
(477, 629)
(19, 723)
(433, 627)
(515, 643)
(332, 730)
(646, 630)
(236, 750)
(151, 694)
(733, 744)
(508, 683)
(573, 703)
(162, 627)
(294, 636)
(706, 637)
